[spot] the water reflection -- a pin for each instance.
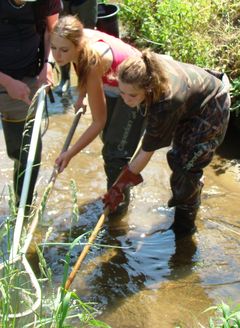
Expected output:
(125, 262)
(184, 258)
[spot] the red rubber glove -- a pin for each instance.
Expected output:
(115, 195)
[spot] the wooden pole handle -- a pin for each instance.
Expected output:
(86, 248)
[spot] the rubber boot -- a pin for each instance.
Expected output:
(63, 88)
(18, 137)
(186, 209)
(86, 11)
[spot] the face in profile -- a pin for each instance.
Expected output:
(132, 95)
(63, 50)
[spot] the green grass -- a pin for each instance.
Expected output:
(225, 316)
(204, 32)
(61, 308)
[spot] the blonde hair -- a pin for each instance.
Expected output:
(145, 72)
(69, 27)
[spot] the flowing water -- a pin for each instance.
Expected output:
(145, 279)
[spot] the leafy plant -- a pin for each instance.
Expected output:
(235, 97)
(204, 32)
(235, 93)
(174, 27)
(226, 317)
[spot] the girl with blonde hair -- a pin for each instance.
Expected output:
(96, 57)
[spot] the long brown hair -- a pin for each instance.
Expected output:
(70, 28)
(145, 72)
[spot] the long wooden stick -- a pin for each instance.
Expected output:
(86, 248)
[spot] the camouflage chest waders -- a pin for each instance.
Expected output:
(194, 144)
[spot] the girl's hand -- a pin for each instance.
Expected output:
(62, 161)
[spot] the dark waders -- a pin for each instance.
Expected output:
(18, 137)
(190, 154)
(17, 134)
(121, 135)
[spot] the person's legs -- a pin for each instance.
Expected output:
(112, 169)
(191, 153)
(18, 137)
(186, 196)
(17, 133)
(121, 137)
(63, 88)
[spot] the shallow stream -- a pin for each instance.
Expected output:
(149, 280)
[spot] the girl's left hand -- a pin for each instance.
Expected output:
(62, 161)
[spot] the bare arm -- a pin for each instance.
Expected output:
(97, 105)
(141, 160)
(51, 21)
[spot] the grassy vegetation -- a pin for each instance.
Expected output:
(226, 317)
(204, 32)
(59, 308)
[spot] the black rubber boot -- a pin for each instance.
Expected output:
(184, 222)
(186, 199)
(63, 88)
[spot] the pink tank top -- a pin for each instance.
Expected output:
(120, 51)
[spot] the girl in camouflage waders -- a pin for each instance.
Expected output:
(186, 107)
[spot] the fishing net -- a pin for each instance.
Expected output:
(19, 287)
